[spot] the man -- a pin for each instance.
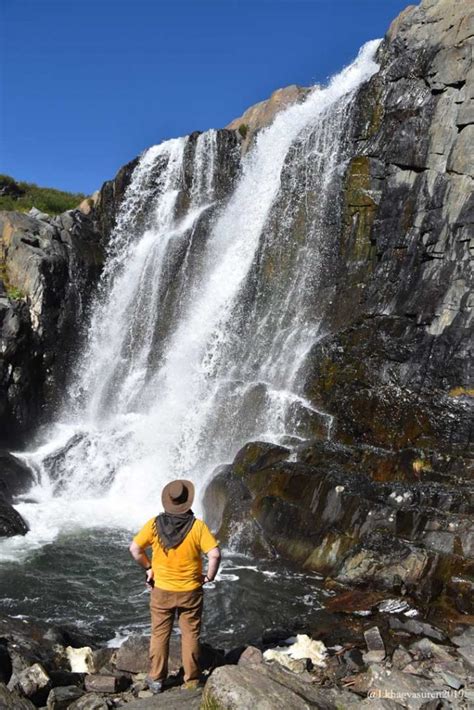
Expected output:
(178, 540)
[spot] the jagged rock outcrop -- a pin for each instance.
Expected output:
(47, 268)
(388, 501)
(395, 367)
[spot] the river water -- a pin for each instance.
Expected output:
(88, 580)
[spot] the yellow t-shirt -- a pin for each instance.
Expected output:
(179, 569)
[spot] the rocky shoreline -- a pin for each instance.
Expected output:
(373, 651)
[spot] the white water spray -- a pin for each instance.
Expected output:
(204, 317)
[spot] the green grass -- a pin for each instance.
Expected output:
(45, 199)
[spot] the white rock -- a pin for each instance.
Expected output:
(304, 647)
(81, 660)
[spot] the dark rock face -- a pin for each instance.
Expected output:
(331, 510)
(11, 522)
(15, 476)
(394, 368)
(388, 500)
(47, 268)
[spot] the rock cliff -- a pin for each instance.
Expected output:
(388, 500)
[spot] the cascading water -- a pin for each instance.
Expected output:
(206, 310)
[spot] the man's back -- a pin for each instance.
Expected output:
(178, 568)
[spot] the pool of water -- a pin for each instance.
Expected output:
(89, 580)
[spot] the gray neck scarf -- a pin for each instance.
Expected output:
(172, 529)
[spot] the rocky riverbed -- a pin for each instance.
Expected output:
(372, 651)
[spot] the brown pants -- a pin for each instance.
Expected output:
(163, 606)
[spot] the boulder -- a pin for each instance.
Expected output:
(61, 698)
(375, 646)
(11, 522)
(237, 687)
(250, 655)
(133, 654)
(13, 701)
(409, 691)
(15, 476)
(33, 683)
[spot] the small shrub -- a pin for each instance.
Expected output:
(243, 130)
(28, 195)
(14, 293)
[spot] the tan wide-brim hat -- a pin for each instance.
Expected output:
(178, 496)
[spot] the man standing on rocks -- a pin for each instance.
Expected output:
(178, 540)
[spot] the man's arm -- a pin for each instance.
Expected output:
(213, 562)
(139, 555)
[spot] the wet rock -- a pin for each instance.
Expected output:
(11, 522)
(375, 646)
(62, 697)
(385, 561)
(353, 600)
(13, 701)
(15, 476)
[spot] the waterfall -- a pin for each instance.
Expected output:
(207, 307)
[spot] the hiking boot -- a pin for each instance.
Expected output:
(156, 686)
(190, 685)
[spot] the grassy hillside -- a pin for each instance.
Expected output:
(22, 196)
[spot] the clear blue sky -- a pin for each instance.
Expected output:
(86, 86)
